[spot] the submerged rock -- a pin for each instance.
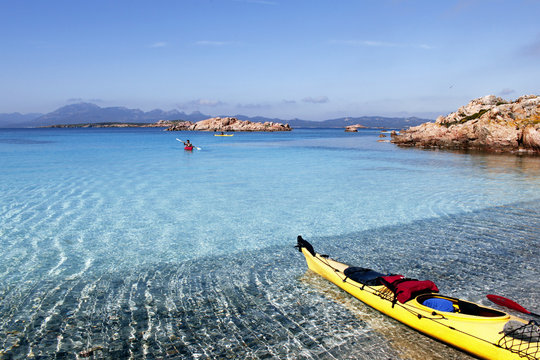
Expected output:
(489, 123)
(90, 352)
(230, 124)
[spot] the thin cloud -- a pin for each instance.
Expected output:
(253, 106)
(381, 44)
(533, 48)
(460, 7)
(199, 104)
(158, 44)
(213, 43)
(377, 43)
(206, 102)
(261, 2)
(507, 91)
(316, 100)
(81, 100)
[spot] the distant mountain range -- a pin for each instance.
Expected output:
(17, 119)
(91, 113)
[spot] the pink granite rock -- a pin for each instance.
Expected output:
(354, 128)
(230, 124)
(489, 123)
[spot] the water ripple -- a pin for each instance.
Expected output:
(264, 304)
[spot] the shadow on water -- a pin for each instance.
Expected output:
(495, 250)
(263, 304)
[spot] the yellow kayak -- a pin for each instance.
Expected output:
(481, 331)
(223, 134)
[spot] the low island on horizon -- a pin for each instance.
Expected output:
(212, 124)
(234, 123)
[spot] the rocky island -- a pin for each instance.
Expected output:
(228, 124)
(212, 124)
(354, 128)
(487, 123)
(160, 123)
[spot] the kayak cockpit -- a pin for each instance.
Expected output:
(452, 305)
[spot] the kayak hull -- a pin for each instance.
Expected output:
(477, 335)
(188, 148)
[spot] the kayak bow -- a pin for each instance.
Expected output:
(481, 331)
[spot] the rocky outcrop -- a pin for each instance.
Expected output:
(230, 124)
(488, 123)
(354, 128)
(179, 126)
(167, 123)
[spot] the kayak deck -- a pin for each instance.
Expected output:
(471, 327)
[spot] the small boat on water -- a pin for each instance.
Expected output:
(481, 331)
(223, 134)
(188, 148)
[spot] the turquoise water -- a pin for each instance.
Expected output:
(119, 243)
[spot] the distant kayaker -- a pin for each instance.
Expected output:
(188, 144)
(222, 133)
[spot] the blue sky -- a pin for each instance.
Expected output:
(311, 59)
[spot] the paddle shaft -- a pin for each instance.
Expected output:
(499, 300)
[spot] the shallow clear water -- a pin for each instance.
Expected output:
(118, 243)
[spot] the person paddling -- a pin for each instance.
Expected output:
(188, 145)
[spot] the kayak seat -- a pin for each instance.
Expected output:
(439, 304)
(363, 276)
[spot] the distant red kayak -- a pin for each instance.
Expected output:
(188, 148)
